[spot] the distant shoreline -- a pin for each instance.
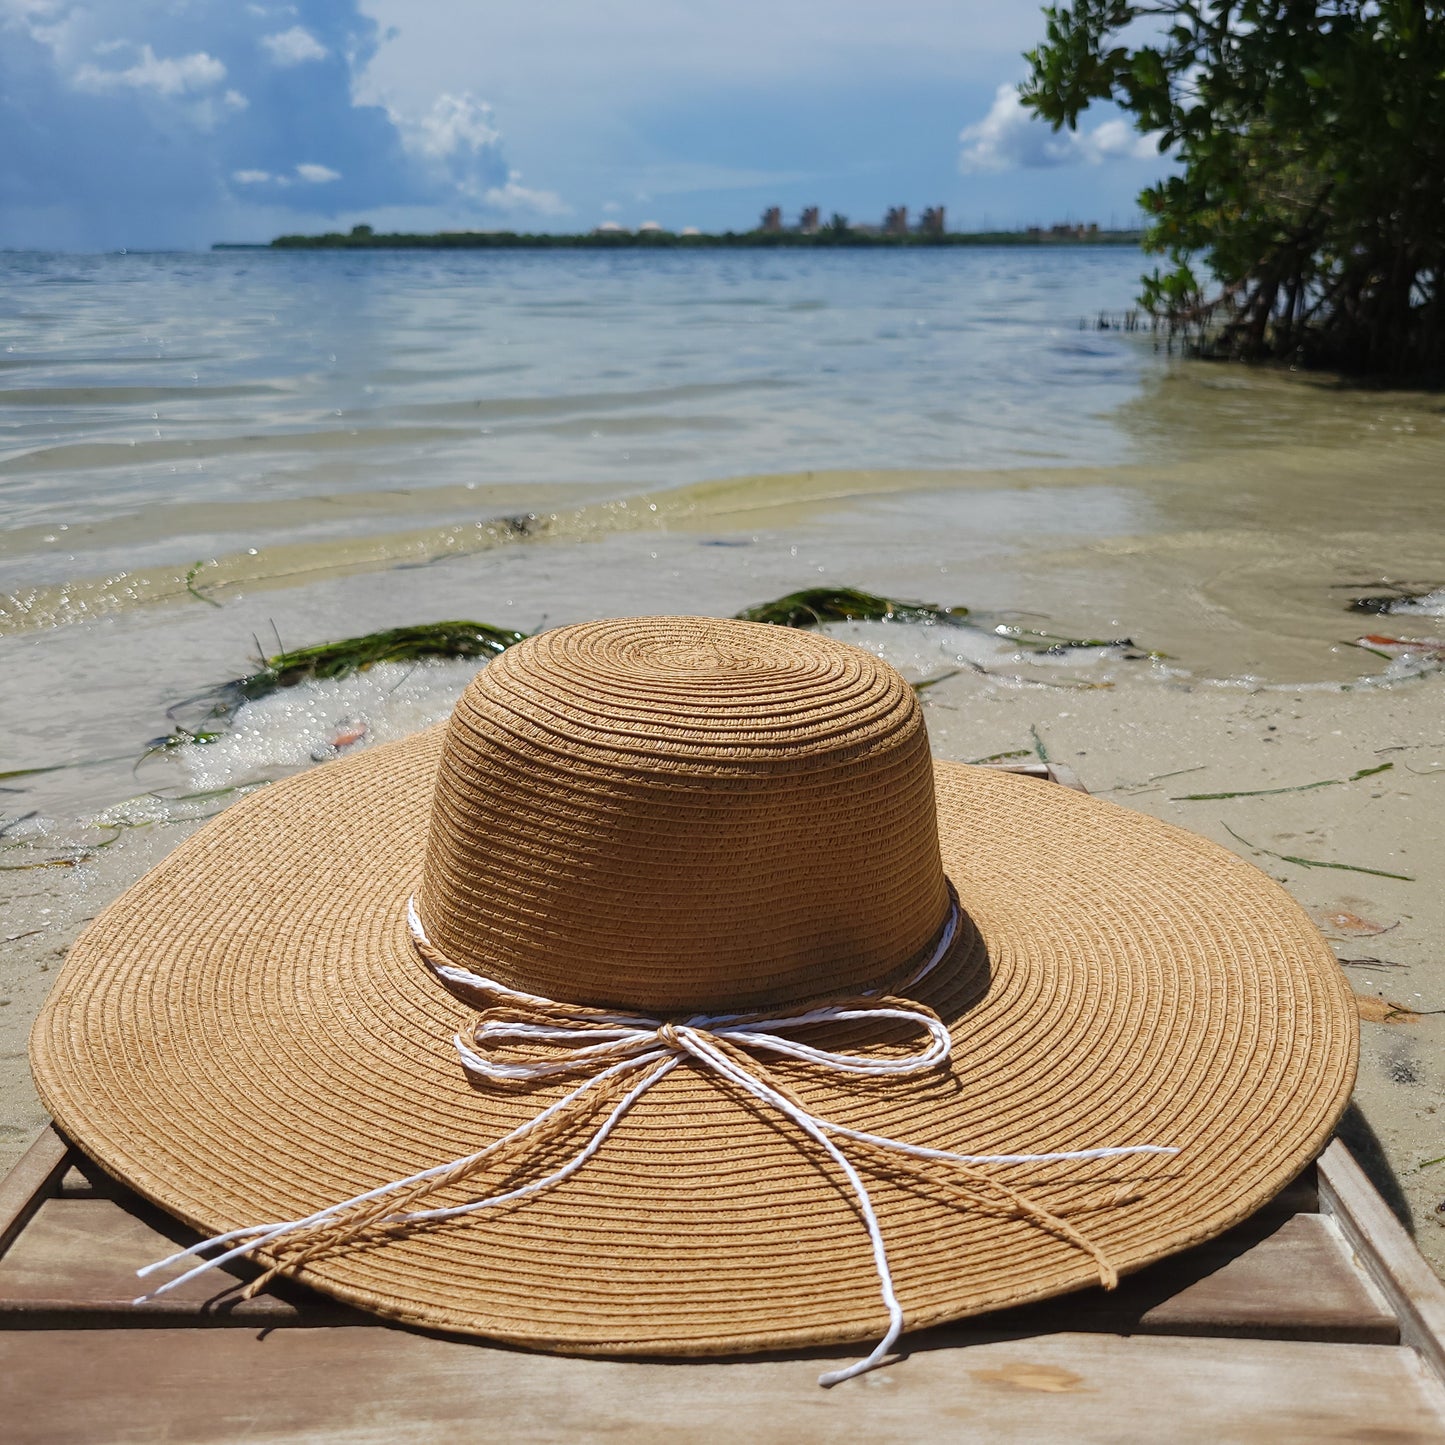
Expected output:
(827, 239)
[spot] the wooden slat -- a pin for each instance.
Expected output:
(388, 1385)
(1386, 1252)
(1300, 1282)
(75, 1265)
(1284, 1277)
(1296, 1281)
(32, 1178)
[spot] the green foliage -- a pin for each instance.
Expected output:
(1313, 165)
(837, 232)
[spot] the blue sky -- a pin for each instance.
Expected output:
(176, 123)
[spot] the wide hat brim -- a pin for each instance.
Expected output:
(247, 1035)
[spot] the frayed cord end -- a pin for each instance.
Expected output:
(851, 1372)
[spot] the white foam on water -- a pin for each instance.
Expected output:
(1432, 604)
(299, 726)
(314, 722)
(931, 650)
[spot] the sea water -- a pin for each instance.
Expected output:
(206, 457)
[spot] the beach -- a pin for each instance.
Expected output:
(680, 444)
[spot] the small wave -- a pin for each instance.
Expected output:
(122, 395)
(634, 426)
(526, 408)
(288, 564)
(302, 725)
(70, 456)
(59, 361)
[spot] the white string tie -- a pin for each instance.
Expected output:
(610, 1045)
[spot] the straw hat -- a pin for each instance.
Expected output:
(670, 819)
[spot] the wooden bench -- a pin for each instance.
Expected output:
(1316, 1320)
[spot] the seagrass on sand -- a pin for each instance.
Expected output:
(674, 815)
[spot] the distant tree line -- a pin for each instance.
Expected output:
(836, 233)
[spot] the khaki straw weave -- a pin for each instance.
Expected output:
(679, 814)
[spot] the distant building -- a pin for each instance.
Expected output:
(689, 231)
(607, 228)
(895, 223)
(650, 226)
(772, 219)
(808, 221)
(1065, 231)
(931, 223)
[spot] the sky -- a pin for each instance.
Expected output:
(172, 124)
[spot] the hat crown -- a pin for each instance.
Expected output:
(684, 813)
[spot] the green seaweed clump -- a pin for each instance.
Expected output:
(356, 654)
(337, 659)
(814, 606)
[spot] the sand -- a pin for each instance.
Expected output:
(1121, 740)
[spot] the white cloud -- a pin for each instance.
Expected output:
(1115, 140)
(516, 197)
(166, 76)
(1011, 138)
(308, 172)
(163, 122)
(294, 46)
(458, 143)
(456, 125)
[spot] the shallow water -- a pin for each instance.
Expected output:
(201, 456)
